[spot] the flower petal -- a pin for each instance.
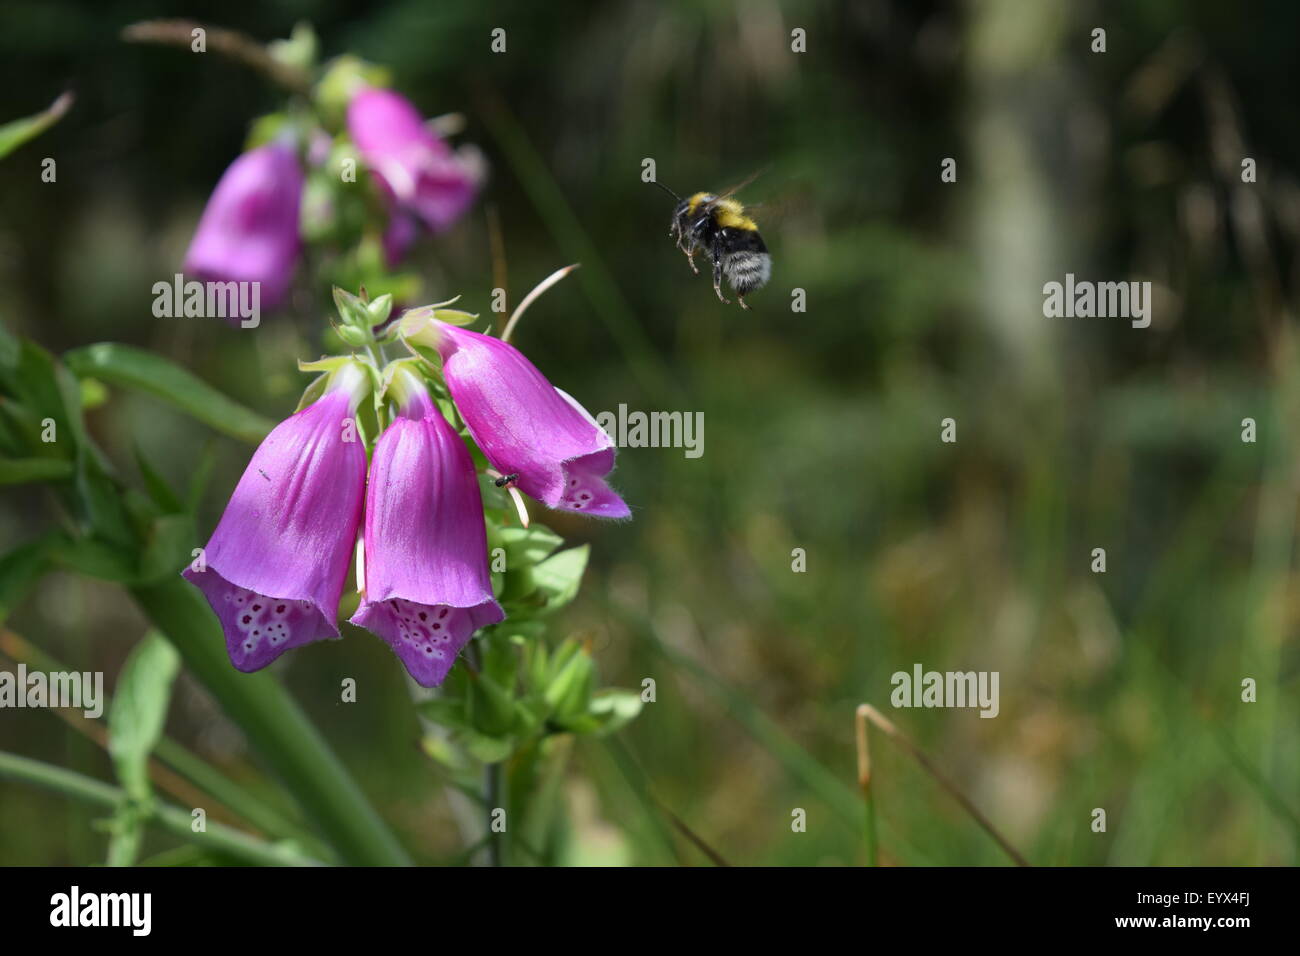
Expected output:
(426, 637)
(427, 582)
(260, 628)
(286, 536)
(525, 426)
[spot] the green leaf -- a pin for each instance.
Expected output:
(46, 415)
(18, 471)
(500, 657)
(145, 372)
(530, 714)
(583, 723)
(199, 477)
(446, 712)
(30, 377)
(21, 568)
(95, 558)
(486, 749)
(491, 706)
(615, 708)
(167, 548)
(527, 546)
(99, 500)
(135, 724)
(441, 750)
(560, 575)
(159, 490)
(139, 710)
(17, 132)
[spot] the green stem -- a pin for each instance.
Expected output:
(491, 778)
(253, 809)
(174, 820)
(873, 845)
(275, 725)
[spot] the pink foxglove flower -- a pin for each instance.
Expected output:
(426, 582)
(249, 229)
(526, 426)
(276, 565)
(429, 183)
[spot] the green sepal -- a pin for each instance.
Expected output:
(380, 308)
(569, 691)
(352, 310)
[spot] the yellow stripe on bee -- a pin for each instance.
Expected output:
(731, 215)
(693, 203)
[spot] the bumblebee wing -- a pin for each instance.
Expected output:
(777, 209)
(742, 184)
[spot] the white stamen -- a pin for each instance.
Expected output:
(541, 287)
(520, 506)
(361, 565)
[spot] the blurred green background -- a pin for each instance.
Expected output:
(1119, 690)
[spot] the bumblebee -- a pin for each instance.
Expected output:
(717, 225)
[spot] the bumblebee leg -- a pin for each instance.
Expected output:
(717, 280)
(688, 247)
(741, 299)
(715, 253)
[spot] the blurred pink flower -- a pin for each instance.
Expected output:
(249, 229)
(430, 184)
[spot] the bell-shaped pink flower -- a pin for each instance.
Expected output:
(276, 565)
(429, 183)
(249, 229)
(426, 582)
(525, 426)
